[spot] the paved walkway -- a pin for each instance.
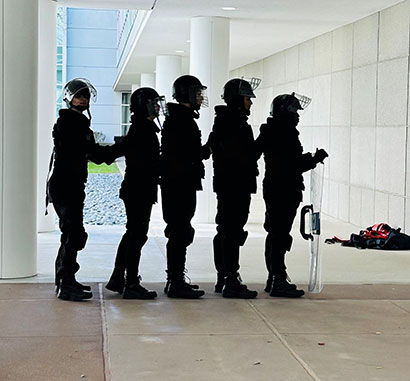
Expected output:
(358, 328)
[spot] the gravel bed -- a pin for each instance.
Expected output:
(102, 204)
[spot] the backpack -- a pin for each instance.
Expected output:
(379, 236)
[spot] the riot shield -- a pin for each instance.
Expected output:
(316, 191)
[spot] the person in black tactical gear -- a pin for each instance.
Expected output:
(138, 190)
(285, 163)
(235, 170)
(181, 173)
(74, 145)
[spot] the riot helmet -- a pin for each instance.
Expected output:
(146, 102)
(289, 103)
(78, 86)
(189, 89)
(236, 89)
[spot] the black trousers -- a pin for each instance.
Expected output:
(281, 209)
(68, 201)
(178, 209)
(138, 210)
(232, 215)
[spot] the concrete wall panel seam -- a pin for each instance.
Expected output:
(406, 163)
(2, 136)
(377, 87)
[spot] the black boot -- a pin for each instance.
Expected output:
(136, 291)
(235, 289)
(84, 287)
(283, 289)
(269, 281)
(178, 288)
(117, 281)
(220, 281)
(166, 288)
(73, 292)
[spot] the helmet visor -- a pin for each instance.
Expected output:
(198, 96)
(303, 100)
(248, 85)
(253, 81)
(202, 97)
(78, 85)
(157, 106)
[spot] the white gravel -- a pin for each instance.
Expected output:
(102, 204)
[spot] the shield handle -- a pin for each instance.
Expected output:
(303, 213)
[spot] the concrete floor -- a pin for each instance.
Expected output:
(358, 328)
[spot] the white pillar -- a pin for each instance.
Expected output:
(209, 61)
(135, 86)
(18, 131)
(168, 69)
(148, 80)
(47, 77)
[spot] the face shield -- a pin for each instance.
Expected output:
(289, 103)
(76, 86)
(304, 101)
(199, 96)
(246, 90)
(157, 107)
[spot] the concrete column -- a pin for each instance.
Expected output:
(46, 107)
(148, 80)
(168, 69)
(209, 61)
(18, 131)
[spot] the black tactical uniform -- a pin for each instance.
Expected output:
(74, 145)
(285, 163)
(138, 190)
(181, 173)
(235, 170)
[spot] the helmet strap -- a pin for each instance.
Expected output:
(159, 123)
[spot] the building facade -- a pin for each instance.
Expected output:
(90, 47)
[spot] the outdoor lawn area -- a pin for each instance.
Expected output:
(102, 168)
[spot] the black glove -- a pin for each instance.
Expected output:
(206, 151)
(320, 155)
(211, 141)
(199, 169)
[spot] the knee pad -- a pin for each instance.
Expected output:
(77, 239)
(188, 235)
(136, 237)
(184, 234)
(267, 225)
(236, 236)
(167, 231)
(242, 237)
(288, 242)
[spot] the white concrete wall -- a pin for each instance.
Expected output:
(358, 77)
(18, 137)
(47, 77)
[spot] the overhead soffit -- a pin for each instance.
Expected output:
(259, 28)
(110, 4)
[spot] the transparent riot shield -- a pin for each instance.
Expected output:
(316, 191)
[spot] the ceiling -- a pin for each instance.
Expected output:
(112, 4)
(258, 28)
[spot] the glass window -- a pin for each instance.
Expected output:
(125, 113)
(126, 98)
(61, 31)
(59, 74)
